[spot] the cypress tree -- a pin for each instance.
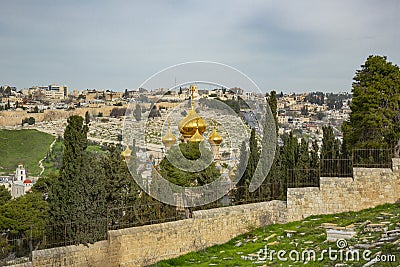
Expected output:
(121, 189)
(242, 193)
(87, 117)
(330, 145)
(314, 158)
(76, 196)
(273, 103)
(137, 112)
(374, 118)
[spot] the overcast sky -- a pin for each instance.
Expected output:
(290, 46)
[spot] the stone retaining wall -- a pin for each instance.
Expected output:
(139, 246)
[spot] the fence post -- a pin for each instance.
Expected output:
(30, 245)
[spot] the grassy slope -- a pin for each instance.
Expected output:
(26, 146)
(53, 163)
(309, 235)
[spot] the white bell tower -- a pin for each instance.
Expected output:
(20, 173)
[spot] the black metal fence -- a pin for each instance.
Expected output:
(15, 248)
(372, 158)
(138, 215)
(72, 233)
(302, 178)
(336, 168)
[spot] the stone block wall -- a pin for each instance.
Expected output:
(14, 118)
(92, 255)
(368, 188)
(139, 246)
(148, 244)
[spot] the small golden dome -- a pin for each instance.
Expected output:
(197, 137)
(169, 139)
(214, 136)
(126, 154)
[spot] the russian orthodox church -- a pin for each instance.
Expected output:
(192, 128)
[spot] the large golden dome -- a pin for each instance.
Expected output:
(192, 122)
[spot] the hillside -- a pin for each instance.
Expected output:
(376, 236)
(26, 146)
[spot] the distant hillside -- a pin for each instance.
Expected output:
(26, 146)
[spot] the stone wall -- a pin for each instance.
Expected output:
(148, 244)
(93, 255)
(368, 188)
(139, 246)
(14, 118)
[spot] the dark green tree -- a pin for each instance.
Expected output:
(233, 104)
(303, 157)
(154, 112)
(331, 156)
(314, 158)
(330, 144)
(121, 189)
(17, 215)
(273, 104)
(4, 195)
(87, 117)
(137, 112)
(290, 151)
(374, 119)
(77, 197)
(276, 178)
(183, 178)
(242, 194)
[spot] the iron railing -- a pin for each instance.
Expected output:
(302, 178)
(335, 168)
(372, 158)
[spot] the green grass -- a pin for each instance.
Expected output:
(26, 146)
(309, 235)
(53, 162)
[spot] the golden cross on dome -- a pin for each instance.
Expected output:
(192, 90)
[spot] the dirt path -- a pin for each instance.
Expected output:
(41, 161)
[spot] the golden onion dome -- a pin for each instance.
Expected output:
(197, 137)
(169, 139)
(192, 122)
(214, 137)
(126, 154)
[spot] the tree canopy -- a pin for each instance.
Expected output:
(4, 195)
(183, 178)
(374, 119)
(77, 194)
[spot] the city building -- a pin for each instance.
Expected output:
(52, 91)
(18, 184)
